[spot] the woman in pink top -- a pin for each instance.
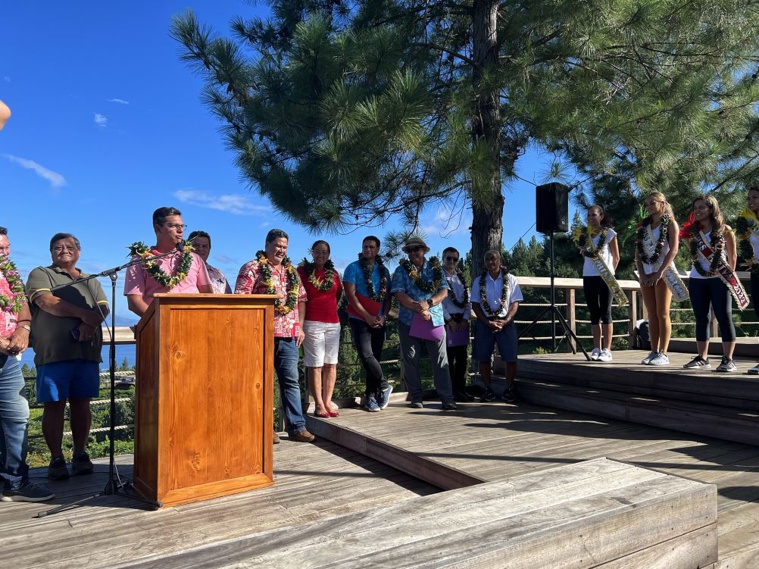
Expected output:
(321, 327)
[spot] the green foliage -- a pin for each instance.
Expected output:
(347, 113)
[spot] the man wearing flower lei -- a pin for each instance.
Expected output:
(655, 251)
(271, 272)
(597, 243)
(15, 319)
(457, 310)
(182, 271)
(712, 280)
(201, 244)
(68, 338)
(420, 288)
(367, 283)
(747, 228)
(321, 327)
(495, 300)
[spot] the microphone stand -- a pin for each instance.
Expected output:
(116, 486)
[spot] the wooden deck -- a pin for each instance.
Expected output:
(315, 483)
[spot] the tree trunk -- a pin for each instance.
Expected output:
(487, 198)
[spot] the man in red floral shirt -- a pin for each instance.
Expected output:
(271, 272)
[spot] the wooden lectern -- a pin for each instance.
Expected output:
(204, 397)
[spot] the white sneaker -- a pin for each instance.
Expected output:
(605, 356)
(661, 359)
(595, 354)
(647, 360)
(754, 370)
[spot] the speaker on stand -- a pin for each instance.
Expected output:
(552, 215)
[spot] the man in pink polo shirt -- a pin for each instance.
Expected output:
(141, 283)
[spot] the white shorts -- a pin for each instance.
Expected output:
(321, 344)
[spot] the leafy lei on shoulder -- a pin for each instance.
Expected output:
(484, 304)
(139, 249)
(452, 296)
(418, 279)
(583, 238)
(15, 302)
(268, 281)
(746, 224)
(382, 294)
(641, 236)
(324, 284)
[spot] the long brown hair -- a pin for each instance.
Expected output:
(718, 220)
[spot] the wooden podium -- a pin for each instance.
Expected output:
(204, 397)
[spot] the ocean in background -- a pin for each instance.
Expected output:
(128, 351)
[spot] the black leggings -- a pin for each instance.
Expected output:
(598, 297)
(704, 292)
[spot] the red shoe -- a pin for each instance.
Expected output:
(322, 414)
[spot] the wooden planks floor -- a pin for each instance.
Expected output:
(313, 482)
(497, 441)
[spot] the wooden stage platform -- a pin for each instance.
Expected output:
(404, 456)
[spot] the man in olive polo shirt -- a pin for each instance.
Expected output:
(67, 339)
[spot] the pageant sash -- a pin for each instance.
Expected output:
(723, 271)
(670, 277)
(608, 276)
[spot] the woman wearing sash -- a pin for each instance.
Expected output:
(598, 245)
(713, 250)
(655, 251)
(321, 326)
(747, 227)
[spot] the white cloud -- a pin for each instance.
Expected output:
(237, 204)
(101, 120)
(119, 101)
(56, 180)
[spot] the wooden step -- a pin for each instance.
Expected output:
(699, 418)
(598, 513)
(739, 391)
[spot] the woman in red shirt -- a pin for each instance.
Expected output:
(321, 327)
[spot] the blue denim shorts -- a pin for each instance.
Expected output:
(59, 381)
(485, 340)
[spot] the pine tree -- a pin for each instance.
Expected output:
(349, 113)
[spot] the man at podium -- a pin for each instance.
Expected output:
(177, 270)
(271, 272)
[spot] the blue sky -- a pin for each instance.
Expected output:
(107, 126)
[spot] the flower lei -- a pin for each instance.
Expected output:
(583, 238)
(452, 296)
(292, 283)
(419, 281)
(324, 284)
(641, 235)
(379, 297)
(746, 224)
(139, 249)
(484, 304)
(16, 301)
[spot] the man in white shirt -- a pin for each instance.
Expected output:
(495, 300)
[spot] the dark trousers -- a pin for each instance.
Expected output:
(369, 342)
(457, 364)
(711, 291)
(598, 298)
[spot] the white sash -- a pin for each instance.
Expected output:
(671, 278)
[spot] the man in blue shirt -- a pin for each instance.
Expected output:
(420, 288)
(366, 283)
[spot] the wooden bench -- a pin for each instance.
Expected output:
(598, 513)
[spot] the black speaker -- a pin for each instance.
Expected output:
(552, 208)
